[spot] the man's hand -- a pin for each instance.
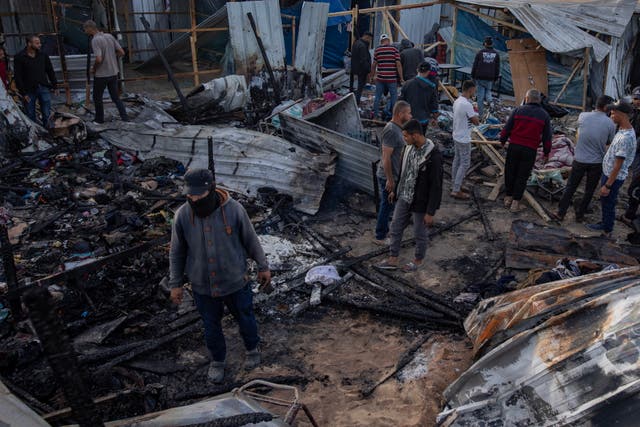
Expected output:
(391, 197)
(389, 186)
(92, 70)
(27, 99)
(428, 220)
(264, 279)
(545, 159)
(604, 191)
(401, 82)
(176, 295)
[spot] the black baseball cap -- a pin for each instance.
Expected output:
(635, 93)
(621, 106)
(424, 67)
(198, 181)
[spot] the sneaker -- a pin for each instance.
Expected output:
(252, 360)
(595, 227)
(507, 201)
(381, 242)
(216, 372)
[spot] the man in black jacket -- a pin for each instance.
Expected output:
(35, 78)
(360, 63)
(485, 70)
(417, 195)
(422, 94)
(410, 57)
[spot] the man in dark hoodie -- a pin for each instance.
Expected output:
(410, 58)
(35, 78)
(361, 63)
(485, 70)
(417, 195)
(211, 238)
(422, 94)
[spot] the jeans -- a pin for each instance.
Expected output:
(461, 163)
(484, 92)
(385, 211)
(42, 95)
(593, 171)
(211, 309)
(401, 216)
(362, 80)
(609, 204)
(517, 170)
(111, 84)
(393, 95)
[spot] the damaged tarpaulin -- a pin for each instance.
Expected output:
(15, 126)
(562, 353)
(245, 160)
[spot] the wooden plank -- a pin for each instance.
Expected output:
(383, 8)
(528, 64)
(576, 67)
(446, 91)
(491, 18)
(395, 24)
(585, 77)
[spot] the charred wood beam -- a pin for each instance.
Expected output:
(265, 58)
(62, 359)
(46, 223)
(486, 223)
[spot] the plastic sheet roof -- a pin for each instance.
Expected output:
(560, 26)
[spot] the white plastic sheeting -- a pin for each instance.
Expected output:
(418, 22)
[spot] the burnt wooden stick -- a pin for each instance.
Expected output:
(265, 58)
(488, 229)
(405, 358)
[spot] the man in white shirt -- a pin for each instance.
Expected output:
(464, 115)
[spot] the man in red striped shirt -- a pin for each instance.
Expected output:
(387, 72)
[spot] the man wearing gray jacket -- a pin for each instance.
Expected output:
(211, 239)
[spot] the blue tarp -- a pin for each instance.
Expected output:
(471, 33)
(336, 40)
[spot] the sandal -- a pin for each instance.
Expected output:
(386, 265)
(410, 267)
(460, 196)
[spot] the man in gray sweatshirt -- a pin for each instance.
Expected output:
(211, 239)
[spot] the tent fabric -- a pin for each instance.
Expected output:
(337, 37)
(471, 33)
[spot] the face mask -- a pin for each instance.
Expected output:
(206, 206)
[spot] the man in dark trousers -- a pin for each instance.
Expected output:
(389, 167)
(527, 126)
(634, 188)
(106, 50)
(485, 70)
(615, 165)
(35, 78)
(417, 195)
(361, 63)
(595, 132)
(211, 238)
(422, 94)
(410, 57)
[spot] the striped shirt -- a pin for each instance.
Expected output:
(386, 57)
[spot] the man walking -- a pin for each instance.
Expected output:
(386, 72)
(211, 238)
(35, 78)
(615, 165)
(422, 94)
(417, 195)
(410, 58)
(485, 70)
(634, 188)
(527, 126)
(105, 69)
(464, 115)
(595, 132)
(389, 167)
(361, 63)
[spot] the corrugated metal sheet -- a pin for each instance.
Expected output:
(145, 49)
(180, 48)
(310, 43)
(246, 53)
(418, 22)
(562, 353)
(13, 412)
(245, 160)
(621, 60)
(341, 116)
(24, 17)
(558, 26)
(354, 156)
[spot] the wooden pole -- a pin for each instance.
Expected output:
(193, 39)
(63, 59)
(491, 18)
(452, 59)
(395, 24)
(127, 24)
(576, 67)
(383, 8)
(293, 41)
(585, 77)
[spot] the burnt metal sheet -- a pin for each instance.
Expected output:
(180, 48)
(560, 26)
(341, 116)
(245, 160)
(13, 412)
(354, 156)
(568, 355)
(246, 53)
(310, 43)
